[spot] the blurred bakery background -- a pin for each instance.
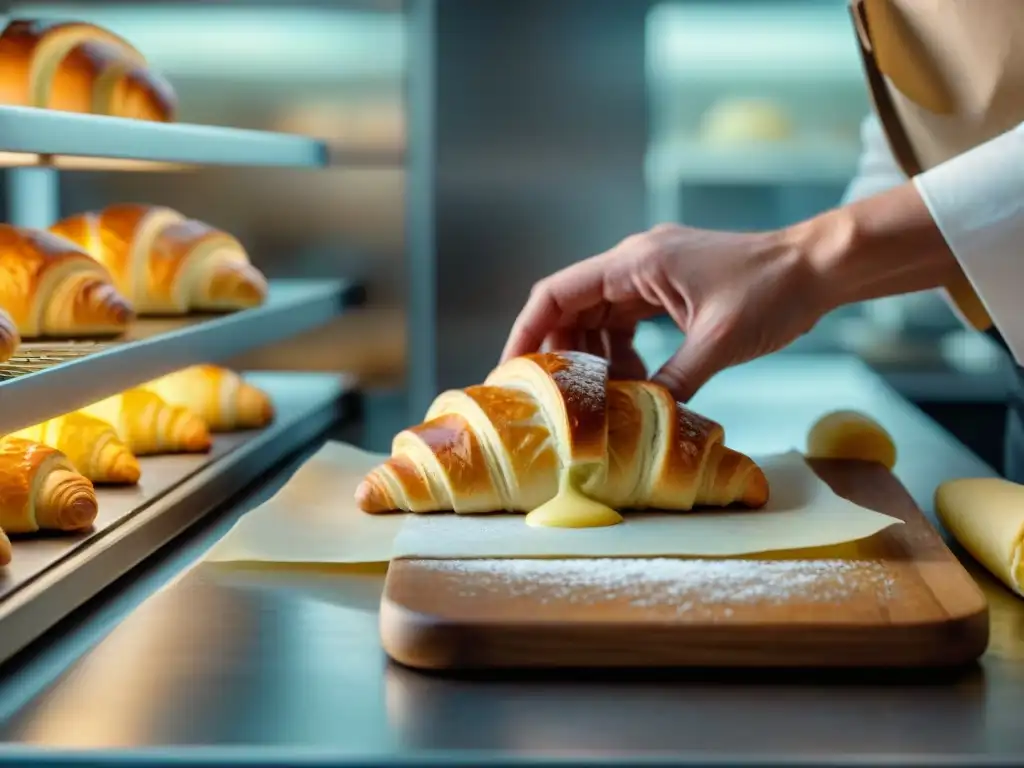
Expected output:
(546, 132)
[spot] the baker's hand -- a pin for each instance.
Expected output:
(735, 296)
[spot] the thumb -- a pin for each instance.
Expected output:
(690, 368)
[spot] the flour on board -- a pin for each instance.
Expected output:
(684, 584)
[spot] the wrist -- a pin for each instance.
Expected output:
(825, 245)
(882, 246)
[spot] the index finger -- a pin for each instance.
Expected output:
(554, 303)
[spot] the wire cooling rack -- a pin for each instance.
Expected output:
(37, 356)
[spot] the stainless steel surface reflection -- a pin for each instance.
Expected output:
(285, 661)
(262, 659)
(227, 658)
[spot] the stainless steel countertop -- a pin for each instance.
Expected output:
(284, 666)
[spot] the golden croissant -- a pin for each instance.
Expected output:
(9, 338)
(40, 489)
(217, 395)
(92, 445)
(148, 425)
(507, 444)
(165, 263)
(80, 67)
(51, 287)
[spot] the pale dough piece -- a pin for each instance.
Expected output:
(986, 515)
(851, 435)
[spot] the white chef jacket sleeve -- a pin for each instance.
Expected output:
(977, 201)
(877, 169)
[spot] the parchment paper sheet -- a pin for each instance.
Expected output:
(314, 519)
(803, 512)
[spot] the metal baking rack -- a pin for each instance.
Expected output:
(51, 575)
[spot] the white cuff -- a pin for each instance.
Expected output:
(977, 201)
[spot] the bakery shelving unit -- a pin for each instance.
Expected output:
(51, 576)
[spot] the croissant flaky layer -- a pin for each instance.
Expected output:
(80, 67)
(218, 395)
(165, 263)
(50, 287)
(508, 444)
(148, 425)
(92, 445)
(40, 489)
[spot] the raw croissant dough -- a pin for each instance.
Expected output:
(91, 444)
(218, 395)
(148, 425)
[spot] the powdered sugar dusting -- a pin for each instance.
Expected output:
(665, 583)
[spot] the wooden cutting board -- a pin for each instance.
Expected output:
(897, 599)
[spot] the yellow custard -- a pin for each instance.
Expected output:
(572, 509)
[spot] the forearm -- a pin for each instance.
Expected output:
(883, 245)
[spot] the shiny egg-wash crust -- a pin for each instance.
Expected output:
(50, 287)
(80, 67)
(510, 444)
(167, 264)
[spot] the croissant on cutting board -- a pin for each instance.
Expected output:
(92, 445)
(148, 425)
(167, 264)
(219, 396)
(6, 551)
(80, 67)
(41, 490)
(9, 338)
(50, 287)
(506, 444)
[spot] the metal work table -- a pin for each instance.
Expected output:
(283, 666)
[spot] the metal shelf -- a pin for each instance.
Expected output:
(51, 576)
(58, 136)
(46, 379)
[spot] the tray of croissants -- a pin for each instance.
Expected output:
(50, 472)
(90, 275)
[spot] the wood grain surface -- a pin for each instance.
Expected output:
(897, 599)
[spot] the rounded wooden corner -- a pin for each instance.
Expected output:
(414, 639)
(967, 636)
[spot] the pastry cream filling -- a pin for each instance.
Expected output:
(570, 508)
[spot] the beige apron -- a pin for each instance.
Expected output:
(945, 76)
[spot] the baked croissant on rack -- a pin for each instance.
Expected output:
(40, 489)
(9, 338)
(148, 425)
(505, 446)
(52, 288)
(165, 263)
(79, 67)
(92, 445)
(217, 395)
